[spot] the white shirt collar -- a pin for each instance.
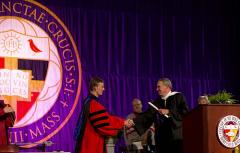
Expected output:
(169, 94)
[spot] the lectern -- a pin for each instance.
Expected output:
(200, 128)
(8, 148)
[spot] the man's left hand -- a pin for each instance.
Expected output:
(163, 111)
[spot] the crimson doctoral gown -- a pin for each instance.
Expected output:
(94, 125)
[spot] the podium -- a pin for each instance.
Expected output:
(200, 128)
(8, 148)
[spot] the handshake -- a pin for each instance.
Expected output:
(129, 123)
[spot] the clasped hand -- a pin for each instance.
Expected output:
(163, 111)
(128, 123)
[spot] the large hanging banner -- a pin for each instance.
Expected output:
(40, 70)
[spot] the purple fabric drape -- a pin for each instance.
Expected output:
(132, 50)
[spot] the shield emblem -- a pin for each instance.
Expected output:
(230, 131)
(24, 62)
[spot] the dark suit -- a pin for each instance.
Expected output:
(168, 131)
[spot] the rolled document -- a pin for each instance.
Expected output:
(155, 107)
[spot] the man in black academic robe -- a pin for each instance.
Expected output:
(167, 118)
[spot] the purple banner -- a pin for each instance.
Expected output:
(30, 31)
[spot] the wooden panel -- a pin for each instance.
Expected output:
(200, 128)
(8, 148)
(214, 115)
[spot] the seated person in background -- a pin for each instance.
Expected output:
(135, 142)
(7, 118)
(203, 100)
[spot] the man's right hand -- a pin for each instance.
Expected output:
(128, 123)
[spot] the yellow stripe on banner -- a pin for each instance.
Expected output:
(10, 63)
(36, 85)
(11, 100)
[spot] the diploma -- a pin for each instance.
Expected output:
(155, 107)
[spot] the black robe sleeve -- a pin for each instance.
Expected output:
(176, 113)
(177, 109)
(144, 120)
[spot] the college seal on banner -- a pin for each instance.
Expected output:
(40, 70)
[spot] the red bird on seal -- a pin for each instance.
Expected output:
(33, 46)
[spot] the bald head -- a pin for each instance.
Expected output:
(137, 105)
(203, 100)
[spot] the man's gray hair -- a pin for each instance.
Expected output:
(166, 82)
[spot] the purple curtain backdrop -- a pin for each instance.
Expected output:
(130, 50)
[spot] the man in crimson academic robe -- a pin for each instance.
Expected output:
(167, 118)
(7, 118)
(95, 123)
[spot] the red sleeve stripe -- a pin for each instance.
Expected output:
(97, 112)
(99, 119)
(101, 125)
